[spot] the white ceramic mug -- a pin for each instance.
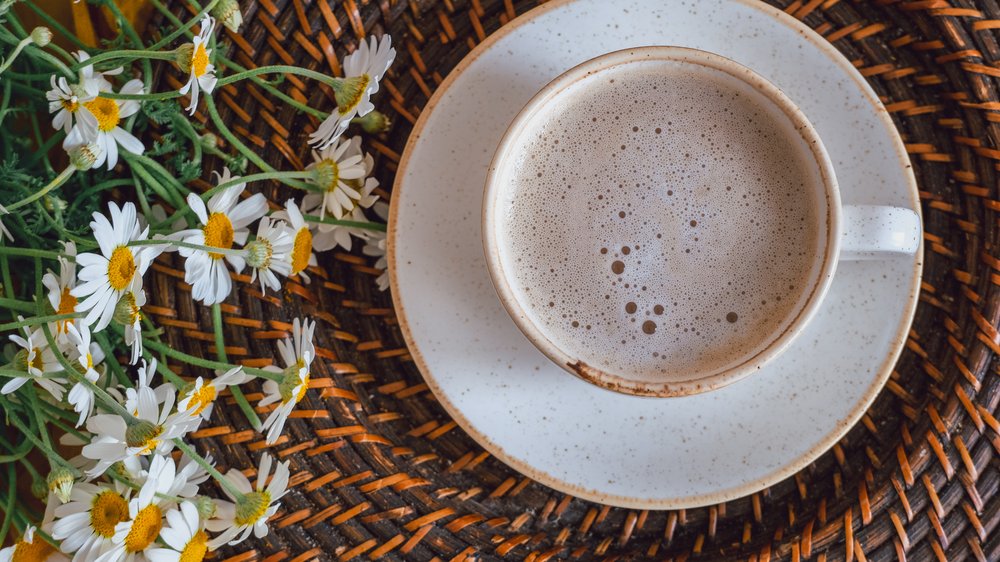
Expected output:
(840, 232)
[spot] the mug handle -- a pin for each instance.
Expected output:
(871, 232)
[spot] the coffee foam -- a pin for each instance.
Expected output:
(660, 222)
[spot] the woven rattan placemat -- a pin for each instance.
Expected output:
(380, 471)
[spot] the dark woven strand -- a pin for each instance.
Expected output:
(379, 470)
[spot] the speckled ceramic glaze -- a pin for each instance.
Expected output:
(609, 447)
(735, 266)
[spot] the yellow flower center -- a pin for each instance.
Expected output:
(251, 507)
(195, 549)
(70, 105)
(105, 111)
(199, 61)
(67, 305)
(36, 360)
(36, 551)
(218, 233)
(145, 528)
(121, 268)
(107, 509)
(301, 250)
(202, 397)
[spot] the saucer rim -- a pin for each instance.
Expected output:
(788, 469)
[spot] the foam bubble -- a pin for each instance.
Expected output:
(693, 218)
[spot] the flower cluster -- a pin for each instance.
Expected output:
(85, 360)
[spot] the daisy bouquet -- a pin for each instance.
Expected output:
(95, 452)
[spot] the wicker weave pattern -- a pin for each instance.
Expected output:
(379, 470)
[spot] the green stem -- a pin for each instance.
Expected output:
(17, 51)
(222, 480)
(39, 444)
(109, 402)
(186, 210)
(377, 226)
(8, 508)
(59, 180)
(205, 363)
(36, 320)
(130, 54)
(331, 81)
(250, 155)
(220, 350)
(183, 28)
(179, 244)
(14, 453)
(16, 305)
(158, 96)
(33, 253)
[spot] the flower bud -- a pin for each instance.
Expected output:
(39, 489)
(206, 507)
(208, 141)
(41, 36)
(60, 482)
(228, 12)
(374, 122)
(84, 156)
(53, 203)
(182, 56)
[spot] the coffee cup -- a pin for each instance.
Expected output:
(663, 221)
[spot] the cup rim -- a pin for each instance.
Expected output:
(611, 381)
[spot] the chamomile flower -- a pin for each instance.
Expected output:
(199, 398)
(59, 288)
(30, 548)
(184, 536)
(128, 313)
(297, 354)
(35, 359)
(201, 70)
(135, 535)
(153, 433)
(340, 171)
(80, 396)
(302, 255)
(376, 247)
(235, 521)
(270, 253)
(65, 99)
(224, 223)
(117, 270)
(103, 127)
(362, 71)
(86, 524)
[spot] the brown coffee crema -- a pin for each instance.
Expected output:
(661, 221)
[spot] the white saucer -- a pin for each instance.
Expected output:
(616, 449)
